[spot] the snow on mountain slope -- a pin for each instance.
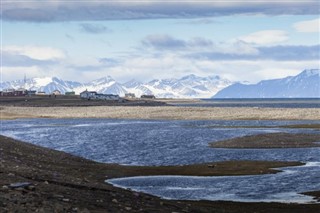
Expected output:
(304, 85)
(46, 84)
(190, 86)
(114, 88)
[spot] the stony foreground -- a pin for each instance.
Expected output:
(36, 179)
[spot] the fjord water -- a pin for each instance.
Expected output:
(257, 102)
(163, 142)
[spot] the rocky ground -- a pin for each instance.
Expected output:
(36, 179)
(72, 101)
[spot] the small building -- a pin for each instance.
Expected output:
(88, 94)
(41, 93)
(129, 95)
(7, 93)
(56, 92)
(148, 96)
(13, 92)
(20, 92)
(31, 92)
(70, 93)
(107, 97)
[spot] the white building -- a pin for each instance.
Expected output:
(90, 95)
(130, 95)
(56, 92)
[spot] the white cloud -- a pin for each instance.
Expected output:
(310, 26)
(236, 48)
(167, 65)
(237, 61)
(265, 37)
(165, 42)
(17, 73)
(36, 52)
(170, 65)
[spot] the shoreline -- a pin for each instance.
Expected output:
(160, 113)
(64, 182)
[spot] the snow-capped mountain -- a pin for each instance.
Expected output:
(45, 84)
(190, 86)
(304, 85)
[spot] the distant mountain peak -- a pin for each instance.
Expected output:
(104, 80)
(190, 76)
(190, 86)
(214, 77)
(132, 83)
(311, 72)
(304, 85)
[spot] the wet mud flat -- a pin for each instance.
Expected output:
(33, 179)
(270, 141)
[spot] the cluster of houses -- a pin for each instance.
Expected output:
(23, 92)
(91, 95)
(18, 92)
(88, 95)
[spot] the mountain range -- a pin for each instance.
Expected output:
(304, 85)
(190, 86)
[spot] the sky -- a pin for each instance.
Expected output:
(149, 39)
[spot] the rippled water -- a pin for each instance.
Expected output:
(281, 187)
(257, 102)
(141, 142)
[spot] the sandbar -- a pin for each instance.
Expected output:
(269, 141)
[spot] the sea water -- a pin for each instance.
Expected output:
(163, 142)
(256, 102)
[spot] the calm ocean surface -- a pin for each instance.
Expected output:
(258, 102)
(165, 142)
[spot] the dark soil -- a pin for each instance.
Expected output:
(267, 141)
(71, 101)
(58, 182)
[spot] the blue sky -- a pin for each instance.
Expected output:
(86, 40)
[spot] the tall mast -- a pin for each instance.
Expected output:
(25, 81)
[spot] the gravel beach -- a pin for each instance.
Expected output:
(161, 112)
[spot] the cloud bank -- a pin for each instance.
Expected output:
(310, 26)
(243, 49)
(265, 37)
(56, 11)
